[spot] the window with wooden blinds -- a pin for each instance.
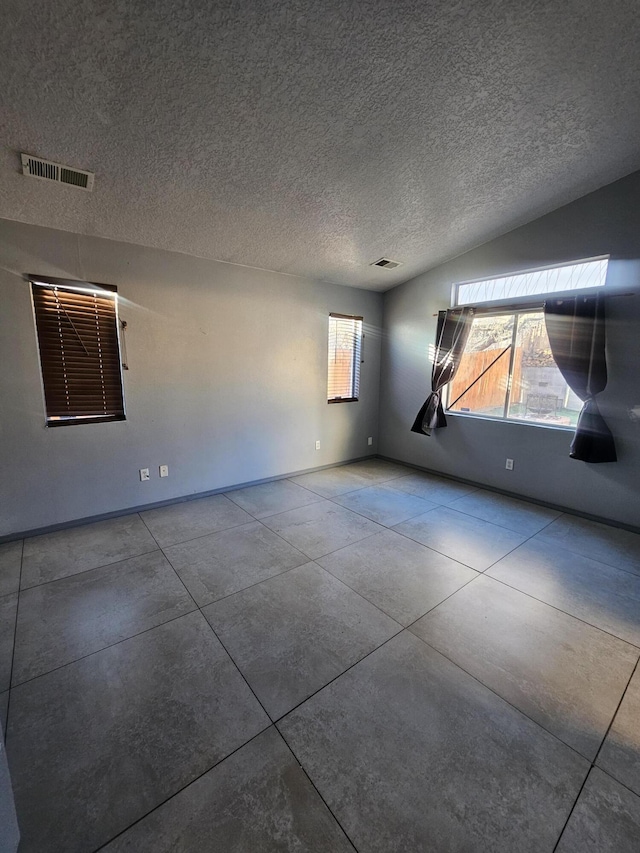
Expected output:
(77, 327)
(345, 351)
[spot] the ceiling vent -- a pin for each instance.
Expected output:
(387, 263)
(35, 167)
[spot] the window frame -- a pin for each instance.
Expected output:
(106, 290)
(357, 357)
(516, 309)
(515, 305)
(531, 298)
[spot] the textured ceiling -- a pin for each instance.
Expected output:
(314, 137)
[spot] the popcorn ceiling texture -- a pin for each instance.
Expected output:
(313, 137)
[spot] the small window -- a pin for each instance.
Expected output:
(507, 371)
(77, 328)
(558, 279)
(345, 355)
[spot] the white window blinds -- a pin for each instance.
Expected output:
(345, 354)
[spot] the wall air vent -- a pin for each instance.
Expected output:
(35, 167)
(387, 263)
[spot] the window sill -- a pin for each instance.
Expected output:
(538, 425)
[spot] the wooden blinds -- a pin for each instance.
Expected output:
(345, 349)
(79, 353)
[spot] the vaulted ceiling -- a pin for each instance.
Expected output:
(313, 137)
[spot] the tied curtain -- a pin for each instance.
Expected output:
(576, 331)
(451, 338)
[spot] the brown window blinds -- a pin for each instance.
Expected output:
(345, 355)
(77, 331)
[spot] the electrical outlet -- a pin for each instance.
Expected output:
(317, 445)
(370, 440)
(509, 465)
(144, 474)
(164, 470)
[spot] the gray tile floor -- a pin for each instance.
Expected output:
(365, 658)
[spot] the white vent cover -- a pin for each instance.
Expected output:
(35, 167)
(387, 264)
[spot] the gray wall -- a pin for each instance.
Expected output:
(227, 380)
(604, 222)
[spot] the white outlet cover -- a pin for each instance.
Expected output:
(370, 441)
(144, 474)
(164, 470)
(509, 465)
(317, 445)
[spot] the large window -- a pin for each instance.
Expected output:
(507, 370)
(345, 355)
(77, 327)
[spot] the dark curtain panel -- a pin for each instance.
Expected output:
(451, 338)
(576, 330)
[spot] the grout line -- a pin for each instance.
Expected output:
(336, 677)
(593, 762)
(586, 557)
(336, 501)
(501, 697)
(184, 787)
(495, 523)
(571, 810)
(15, 636)
(566, 613)
(104, 648)
(615, 713)
(250, 586)
(381, 609)
(209, 533)
(228, 654)
(92, 569)
(617, 781)
(315, 787)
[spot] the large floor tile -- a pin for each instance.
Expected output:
(218, 565)
(472, 541)
(97, 744)
(186, 520)
(398, 575)
(439, 490)
(332, 481)
(620, 754)
(606, 819)
(521, 516)
(594, 592)
(67, 552)
(64, 620)
(10, 559)
(318, 529)
(271, 498)
(410, 753)
(378, 470)
(294, 633)
(384, 504)
(258, 799)
(611, 545)
(564, 674)
(8, 605)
